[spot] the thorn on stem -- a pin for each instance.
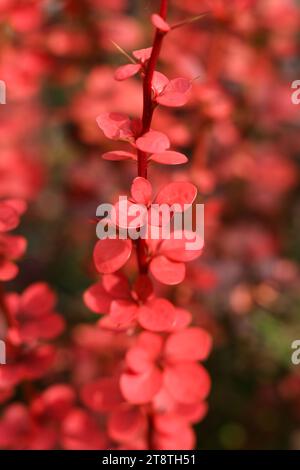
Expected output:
(190, 20)
(120, 49)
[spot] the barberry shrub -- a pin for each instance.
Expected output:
(160, 385)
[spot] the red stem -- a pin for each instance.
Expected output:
(148, 109)
(148, 105)
(163, 9)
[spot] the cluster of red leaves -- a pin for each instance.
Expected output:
(12, 247)
(163, 386)
(160, 387)
(166, 257)
(30, 319)
(119, 127)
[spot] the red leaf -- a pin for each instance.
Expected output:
(123, 313)
(150, 342)
(8, 270)
(168, 423)
(57, 400)
(111, 254)
(13, 246)
(178, 192)
(117, 286)
(19, 205)
(38, 299)
(46, 327)
(139, 360)
(192, 413)
(160, 23)
(9, 218)
(159, 82)
(157, 315)
(182, 320)
(38, 361)
(191, 344)
(141, 357)
(187, 382)
(126, 71)
(108, 323)
(176, 93)
(80, 431)
(169, 158)
(185, 439)
(118, 155)
(102, 395)
(143, 54)
(128, 214)
(126, 423)
(166, 271)
(153, 142)
(141, 191)
(179, 250)
(173, 431)
(115, 126)
(97, 299)
(141, 388)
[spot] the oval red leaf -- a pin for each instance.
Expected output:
(182, 193)
(80, 431)
(159, 82)
(128, 214)
(117, 285)
(160, 23)
(115, 125)
(191, 344)
(102, 395)
(182, 320)
(187, 382)
(123, 313)
(141, 388)
(157, 315)
(119, 155)
(167, 271)
(139, 360)
(183, 249)
(153, 142)
(141, 190)
(111, 254)
(150, 342)
(185, 439)
(176, 93)
(9, 218)
(126, 423)
(97, 299)
(169, 157)
(126, 71)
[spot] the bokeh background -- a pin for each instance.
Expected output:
(240, 131)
